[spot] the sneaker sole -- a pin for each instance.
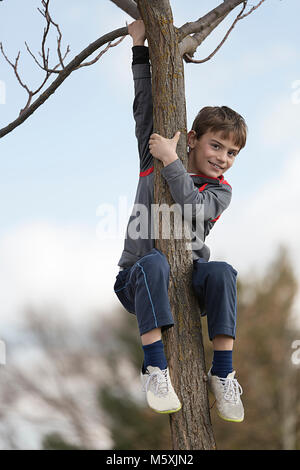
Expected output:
(168, 411)
(231, 420)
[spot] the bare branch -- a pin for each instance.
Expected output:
(100, 54)
(41, 66)
(206, 25)
(15, 67)
(252, 9)
(63, 73)
(46, 30)
(49, 20)
(239, 16)
(187, 46)
(129, 6)
(201, 24)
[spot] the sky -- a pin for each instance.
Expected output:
(75, 159)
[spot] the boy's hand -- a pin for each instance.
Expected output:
(137, 31)
(164, 149)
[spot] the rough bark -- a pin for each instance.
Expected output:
(190, 427)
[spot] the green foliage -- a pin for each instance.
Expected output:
(261, 358)
(132, 426)
(54, 441)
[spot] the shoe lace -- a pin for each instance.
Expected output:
(160, 381)
(232, 389)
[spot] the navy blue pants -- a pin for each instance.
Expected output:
(143, 290)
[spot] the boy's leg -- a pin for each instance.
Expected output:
(151, 336)
(222, 343)
(218, 280)
(222, 358)
(147, 289)
(143, 290)
(151, 280)
(154, 354)
(215, 285)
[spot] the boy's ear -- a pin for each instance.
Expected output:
(191, 136)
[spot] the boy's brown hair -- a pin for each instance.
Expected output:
(224, 119)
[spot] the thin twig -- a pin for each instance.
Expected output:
(240, 16)
(62, 75)
(101, 53)
(252, 9)
(45, 56)
(205, 27)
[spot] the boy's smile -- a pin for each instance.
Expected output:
(212, 154)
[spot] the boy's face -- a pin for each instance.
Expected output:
(211, 155)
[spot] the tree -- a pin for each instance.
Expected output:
(75, 389)
(168, 47)
(271, 381)
(132, 424)
(266, 372)
(191, 428)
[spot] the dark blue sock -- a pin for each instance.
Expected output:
(154, 355)
(222, 363)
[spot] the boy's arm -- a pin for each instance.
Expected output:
(214, 200)
(210, 200)
(142, 104)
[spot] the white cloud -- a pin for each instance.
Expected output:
(46, 265)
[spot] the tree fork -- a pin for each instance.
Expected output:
(190, 427)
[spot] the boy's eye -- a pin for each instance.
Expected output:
(217, 146)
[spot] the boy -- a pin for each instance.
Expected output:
(217, 136)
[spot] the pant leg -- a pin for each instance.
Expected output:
(123, 290)
(214, 283)
(143, 290)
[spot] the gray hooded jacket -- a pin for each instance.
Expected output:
(198, 198)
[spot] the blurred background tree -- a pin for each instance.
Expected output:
(79, 388)
(132, 423)
(262, 359)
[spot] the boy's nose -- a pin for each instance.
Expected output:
(222, 157)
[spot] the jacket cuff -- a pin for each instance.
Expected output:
(140, 55)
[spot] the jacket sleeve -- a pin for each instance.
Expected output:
(142, 104)
(210, 203)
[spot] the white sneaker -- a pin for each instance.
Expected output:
(160, 393)
(227, 393)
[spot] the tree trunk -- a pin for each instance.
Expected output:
(190, 427)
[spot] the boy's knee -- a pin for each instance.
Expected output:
(164, 264)
(221, 270)
(157, 263)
